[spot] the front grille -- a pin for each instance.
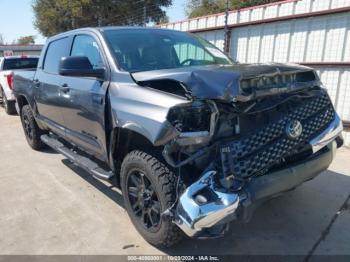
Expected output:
(277, 81)
(255, 154)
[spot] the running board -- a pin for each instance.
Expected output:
(82, 161)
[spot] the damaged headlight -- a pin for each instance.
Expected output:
(190, 117)
(194, 120)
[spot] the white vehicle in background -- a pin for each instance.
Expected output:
(7, 67)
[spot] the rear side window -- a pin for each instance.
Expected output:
(56, 50)
(20, 63)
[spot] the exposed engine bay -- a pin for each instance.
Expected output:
(248, 139)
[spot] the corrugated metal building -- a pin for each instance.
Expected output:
(21, 49)
(310, 32)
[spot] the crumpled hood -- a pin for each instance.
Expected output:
(222, 82)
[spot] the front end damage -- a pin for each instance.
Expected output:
(278, 132)
(206, 207)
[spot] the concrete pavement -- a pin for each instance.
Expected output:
(48, 206)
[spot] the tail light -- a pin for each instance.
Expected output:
(10, 80)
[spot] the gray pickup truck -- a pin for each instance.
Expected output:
(193, 139)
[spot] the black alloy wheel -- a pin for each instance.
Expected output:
(28, 130)
(149, 189)
(143, 200)
(31, 129)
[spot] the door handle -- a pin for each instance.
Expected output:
(65, 88)
(97, 100)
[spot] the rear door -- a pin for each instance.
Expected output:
(48, 85)
(84, 101)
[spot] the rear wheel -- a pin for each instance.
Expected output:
(9, 106)
(31, 128)
(149, 188)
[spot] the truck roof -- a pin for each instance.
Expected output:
(105, 28)
(129, 28)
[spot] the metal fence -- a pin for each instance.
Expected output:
(315, 33)
(20, 50)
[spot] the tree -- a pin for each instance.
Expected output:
(197, 8)
(26, 40)
(163, 20)
(54, 16)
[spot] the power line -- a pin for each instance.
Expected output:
(126, 19)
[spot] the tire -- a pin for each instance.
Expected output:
(160, 190)
(9, 106)
(31, 129)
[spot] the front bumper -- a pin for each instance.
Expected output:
(205, 208)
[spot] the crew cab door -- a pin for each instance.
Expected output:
(48, 85)
(84, 110)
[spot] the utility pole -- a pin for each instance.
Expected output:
(99, 16)
(227, 30)
(145, 14)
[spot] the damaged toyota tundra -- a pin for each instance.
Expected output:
(194, 140)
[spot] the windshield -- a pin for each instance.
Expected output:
(20, 63)
(138, 50)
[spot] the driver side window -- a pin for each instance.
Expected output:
(85, 45)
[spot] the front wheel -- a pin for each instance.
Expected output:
(31, 128)
(149, 188)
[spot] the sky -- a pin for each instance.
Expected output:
(17, 18)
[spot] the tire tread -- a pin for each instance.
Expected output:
(36, 143)
(166, 180)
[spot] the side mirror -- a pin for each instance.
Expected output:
(79, 66)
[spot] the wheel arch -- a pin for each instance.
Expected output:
(22, 101)
(124, 141)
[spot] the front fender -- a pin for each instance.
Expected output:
(144, 111)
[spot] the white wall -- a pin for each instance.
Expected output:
(311, 39)
(259, 13)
